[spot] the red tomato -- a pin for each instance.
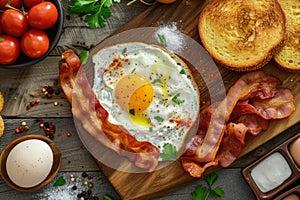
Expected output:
(35, 43)
(1, 30)
(9, 49)
(13, 3)
(43, 15)
(31, 3)
(14, 23)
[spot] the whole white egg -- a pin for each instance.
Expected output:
(29, 163)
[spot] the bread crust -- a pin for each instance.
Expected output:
(288, 58)
(242, 35)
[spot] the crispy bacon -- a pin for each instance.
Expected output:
(249, 103)
(94, 118)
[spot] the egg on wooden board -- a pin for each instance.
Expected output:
(29, 163)
(148, 90)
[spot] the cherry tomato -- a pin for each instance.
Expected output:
(43, 15)
(31, 3)
(35, 43)
(9, 49)
(1, 30)
(13, 3)
(14, 23)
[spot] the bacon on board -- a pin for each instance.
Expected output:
(94, 118)
(253, 100)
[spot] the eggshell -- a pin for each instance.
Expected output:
(29, 163)
(295, 149)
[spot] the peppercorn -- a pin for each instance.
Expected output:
(74, 187)
(84, 174)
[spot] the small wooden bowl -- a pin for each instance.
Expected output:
(48, 179)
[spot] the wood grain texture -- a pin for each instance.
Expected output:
(186, 13)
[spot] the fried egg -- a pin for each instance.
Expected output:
(148, 91)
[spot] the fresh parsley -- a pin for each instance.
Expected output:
(60, 181)
(124, 52)
(107, 197)
(132, 111)
(83, 56)
(1, 39)
(182, 71)
(202, 193)
(162, 39)
(169, 152)
(156, 81)
(177, 100)
(158, 118)
(95, 12)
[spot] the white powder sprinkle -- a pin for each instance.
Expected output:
(173, 37)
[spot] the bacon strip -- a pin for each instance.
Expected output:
(219, 138)
(94, 118)
(253, 84)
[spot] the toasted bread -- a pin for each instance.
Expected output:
(288, 57)
(1, 126)
(1, 101)
(242, 35)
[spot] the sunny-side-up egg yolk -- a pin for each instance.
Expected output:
(134, 93)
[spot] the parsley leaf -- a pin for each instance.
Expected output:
(199, 193)
(177, 100)
(202, 193)
(107, 197)
(158, 118)
(60, 181)
(83, 56)
(1, 39)
(169, 152)
(95, 12)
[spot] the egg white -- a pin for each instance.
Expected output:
(169, 78)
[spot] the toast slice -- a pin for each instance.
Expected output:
(288, 57)
(242, 35)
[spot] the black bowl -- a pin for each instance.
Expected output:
(53, 33)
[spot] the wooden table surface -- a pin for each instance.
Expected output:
(21, 86)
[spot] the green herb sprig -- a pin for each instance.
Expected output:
(202, 193)
(95, 12)
(60, 181)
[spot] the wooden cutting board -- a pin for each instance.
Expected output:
(172, 177)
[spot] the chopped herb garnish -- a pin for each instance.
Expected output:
(107, 197)
(202, 193)
(150, 129)
(169, 152)
(60, 181)
(1, 39)
(133, 70)
(182, 71)
(162, 39)
(158, 118)
(156, 81)
(95, 12)
(177, 100)
(132, 111)
(124, 52)
(83, 56)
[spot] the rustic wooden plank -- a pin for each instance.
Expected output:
(24, 85)
(75, 157)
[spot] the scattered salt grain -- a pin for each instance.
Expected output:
(173, 37)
